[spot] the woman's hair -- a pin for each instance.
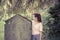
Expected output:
(38, 16)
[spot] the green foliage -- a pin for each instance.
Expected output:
(55, 24)
(45, 20)
(1, 30)
(0, 1)
(10, 1)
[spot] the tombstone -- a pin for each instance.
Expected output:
(18, 28)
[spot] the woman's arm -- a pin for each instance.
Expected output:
(40, 35)
(41, 30)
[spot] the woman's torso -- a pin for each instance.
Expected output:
(35, 28)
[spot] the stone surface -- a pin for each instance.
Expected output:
(18, 28)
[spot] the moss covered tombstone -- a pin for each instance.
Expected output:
(18, 28)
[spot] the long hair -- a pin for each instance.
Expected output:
(38, 16)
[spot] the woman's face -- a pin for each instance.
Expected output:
(34, 18)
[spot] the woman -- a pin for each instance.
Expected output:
(37, 27)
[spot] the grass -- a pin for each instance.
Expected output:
(1, 30)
